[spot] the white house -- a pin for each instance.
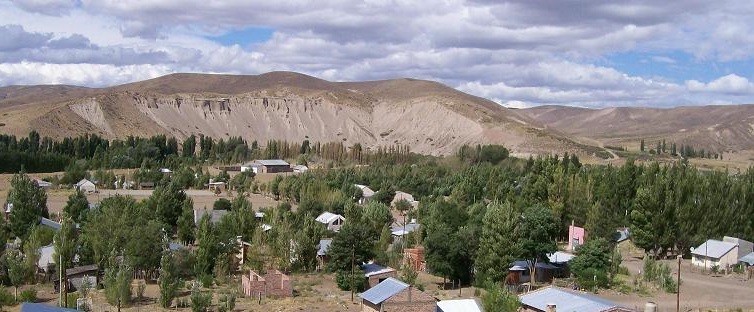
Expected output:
(715, 253)
(86, 186)
(331, 220)
(366, 193)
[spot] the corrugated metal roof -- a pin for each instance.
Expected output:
(49, 223)
(400, 230)
(365, 190)
(713, 248)
(39, 307)
(559, 257)
(323, 247)
(383, 291)
(458, 305)
(749, 259)
(566, 301)
(327, 217)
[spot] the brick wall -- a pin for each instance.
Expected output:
(411, 300)
(273, 284)
(375, 279)
(414, 257)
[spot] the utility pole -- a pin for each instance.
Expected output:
(678, 288)
(60, 280)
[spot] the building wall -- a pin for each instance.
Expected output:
(367, 306)
(414, 257)
(375, 279)
(727, 260)
(410, 300)
(276, 169)
(273, 284)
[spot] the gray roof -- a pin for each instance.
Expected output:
(398, 230)
(567, 301)
(714, 249)
(49, 223)
(383, 291)
(622, 235)
(272, 162)
(749, 259)
(372, 268)
(323, 247)
(39, 307)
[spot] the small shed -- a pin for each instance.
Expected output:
(331, 220)
(376, 273)
(42, 184)
(267, 166)
(322, 248)
(50, 224)
(86, 186)
(394, 295)
(566, 300)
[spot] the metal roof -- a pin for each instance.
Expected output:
(566, 301)
(400, 230)
(49, 223)
(372, 268)
(713, 248)
(323, 247)
(749, 259)
(272, 162)
(39, 307)
(383, 291)
(622, 234)
(559, 257)
(458, 305)
(327, 217)
(365, 190)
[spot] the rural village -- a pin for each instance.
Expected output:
(315, 236)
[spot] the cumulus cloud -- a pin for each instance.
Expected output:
(48, 7)
(731, 84)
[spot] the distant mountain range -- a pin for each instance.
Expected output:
(429, 117)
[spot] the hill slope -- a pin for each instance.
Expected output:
(429, 117)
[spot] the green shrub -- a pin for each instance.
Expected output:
(28, 295)
(592, 279)
(343, 278)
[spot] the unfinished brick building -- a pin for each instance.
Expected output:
(274, 284)
(414, 257)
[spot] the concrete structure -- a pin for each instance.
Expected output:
(576, 237)
(744, 247)
(715, 253)
(459, 305)
(274, 284)
(331, 220)
(366, 193)
(396, 296)
(267, 166)
(86, 186)
(376, 273)
(562, 300)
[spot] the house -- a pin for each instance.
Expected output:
(86, 186)
(42, 184)
(322, 248)
(366, 193)
(46, 260)
(40, 307)
(273, 284)
(146, 185)
(562, 300)
(576, 237)
(414, 258)
(300, 168)
(50, 224)
(376, 273)
(396, 296)
(715, 253)
(459, 305)
(214, 215)
(267, 166)
(216, 186)
(331, 220)
(404, 196)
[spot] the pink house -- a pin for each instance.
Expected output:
(576, 237)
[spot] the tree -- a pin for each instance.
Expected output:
(168, 280)
(594, 256)
(29, 204)
(222, 204)
(199, 301)
(354, 239)
(497, 244)
(167, 202)
(497, 299)
(76, 205)
(18, 270)
(118, 278)
(536, 234)
(65, 249)
(208, 247)
(186, 222)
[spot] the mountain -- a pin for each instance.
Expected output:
(716, 128)
(429, 117)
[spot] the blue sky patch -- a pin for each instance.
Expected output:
(244, 37)
(676, 66)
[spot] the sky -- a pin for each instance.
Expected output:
(519, 53)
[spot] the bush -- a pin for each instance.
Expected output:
(28, 295)
(199, 301)
(343, 278)
(592, 279)
(222, 204)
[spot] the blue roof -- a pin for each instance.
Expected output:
(749, 259)
(383, 291)
(713, 249)
(49, 223)
(323, 247)
(38, 307)
(566, 301)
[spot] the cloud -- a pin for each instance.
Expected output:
(16, 38)
(731, 84)
(96, 75)
(47, 7)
